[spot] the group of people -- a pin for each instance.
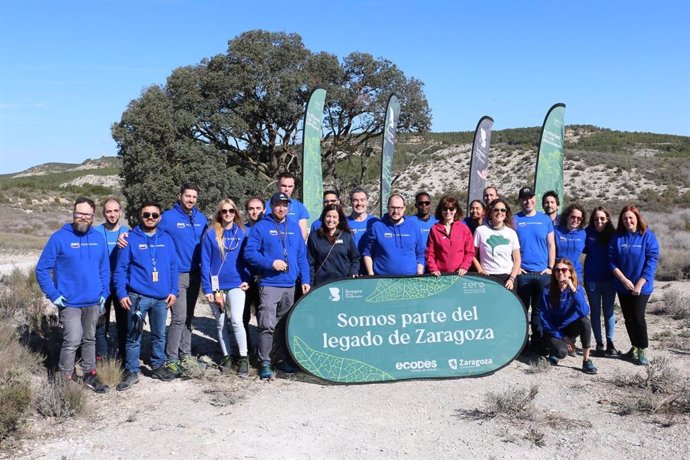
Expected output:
(269, 259)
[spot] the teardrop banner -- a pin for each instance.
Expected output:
(380, 329)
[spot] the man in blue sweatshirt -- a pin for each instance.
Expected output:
(360, 221)
(276, 251)
(297, 212)
(146, 282)
(394, 245)
(186, 225)
(74, 273)
(424, 218)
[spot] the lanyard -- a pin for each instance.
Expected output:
(283, 238)
(152, 251)
(227, 249)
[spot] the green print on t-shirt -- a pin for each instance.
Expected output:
(496, 240)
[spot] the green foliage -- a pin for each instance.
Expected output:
(606, 140)
(16, 364)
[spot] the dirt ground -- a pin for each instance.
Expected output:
(219, 416)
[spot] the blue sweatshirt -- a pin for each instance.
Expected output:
(230, 267)
(269, 240)
(597, 258)
(636, 256)
(360, 228)
(186, 231)
(570, 244)
(339, 260)
(111, 237)
(80, 267)
(424, 226)
(395, 249)
(571, 307)
(135, 263)
(533, 232)
(296, 210)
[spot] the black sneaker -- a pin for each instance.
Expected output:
(599, 350)
(243, 368)
(92, 382)
(163, 373)
(611, 350)
(128, 379)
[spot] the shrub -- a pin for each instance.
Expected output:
(61, 399)
(515, 403)
(110, 371)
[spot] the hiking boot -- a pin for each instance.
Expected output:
(163, 373)
(226, 365)
(642, 357)
(285, 368)
(588, 367)
(553, 359)
(174, 367)
(243, 368)
(92, 382)
(599, 350)
(631, 355)
(611, 350)
(265, 372)
(128, 379)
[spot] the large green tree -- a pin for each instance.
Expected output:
(233, 121)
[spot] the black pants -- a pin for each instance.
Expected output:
(251, 299)
(581, 327)
(502, 279)
(633, 307)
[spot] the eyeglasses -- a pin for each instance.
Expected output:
(82, 215)
(423, 203)
(499, 210)
(150, 215)
(577, 218)
(448, 209)
(227, 211)
(561, 269)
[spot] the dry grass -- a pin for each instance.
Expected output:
(672, 229)
(61, 399)
(11, 242)
(675, 304)
(109, 371)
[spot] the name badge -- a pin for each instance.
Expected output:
(154, 276)
(215, 284)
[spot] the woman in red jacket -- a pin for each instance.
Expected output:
(450, 247)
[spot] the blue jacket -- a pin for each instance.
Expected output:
(269, 240)
(571, 307)
(230, 267)
(339, 260)
(395, 249)
(424, 226)
(636, 256)
(296, 210)
(597, 258)
(135, 262)
(186, 232)
(80, 267)
(570, 244)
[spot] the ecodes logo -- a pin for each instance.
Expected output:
(335, 294)
(416, 365)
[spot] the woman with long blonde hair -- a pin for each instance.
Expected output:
(225, 278)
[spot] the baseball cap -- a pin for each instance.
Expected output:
(277, 197)
(526, 192)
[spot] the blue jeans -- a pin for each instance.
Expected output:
(601, 294)
(157, 313)
(530, 288)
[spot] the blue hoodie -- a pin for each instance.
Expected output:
(230, 267)
(570, 244)
(269, 240)
(395, 249)
(80, 267)
(186, 231)
(134, 265)
(636, 256)
(571, 307)
(597, 259)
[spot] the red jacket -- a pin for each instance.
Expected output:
(448, 254)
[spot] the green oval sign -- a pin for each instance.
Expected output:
(394, 328)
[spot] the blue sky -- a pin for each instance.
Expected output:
(68, 69)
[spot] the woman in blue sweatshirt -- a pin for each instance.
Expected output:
(563, 315)
(599, 279)
(570, 236)
(225, 278)
(633, 255)
(331, 250)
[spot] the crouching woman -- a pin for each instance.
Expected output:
(564, 316)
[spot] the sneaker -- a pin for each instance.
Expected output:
(265, 372)
(553, 359)
(174, 367)
(572, 353)
(226, 365)
(611, 350)
(92, 382)
(642, 357)
(631, 355)
(285, 368)
(128, 379)
(163, 373)
(243, 368)
(599, 350)
(588, 367)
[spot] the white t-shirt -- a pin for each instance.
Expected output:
(496, 248)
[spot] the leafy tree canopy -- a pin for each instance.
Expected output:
(232, 122)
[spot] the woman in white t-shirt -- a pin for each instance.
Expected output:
(496, 245)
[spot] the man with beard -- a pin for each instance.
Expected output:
(394, 244)
(360, 221)
(424, 218)
(550, 204)
(297, 212)
(74, 273)
(146, 282)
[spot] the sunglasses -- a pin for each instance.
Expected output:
(561, 269)
(499, 210)
(227, 211)
(448, 209)
(423, 203)
(150, 215)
